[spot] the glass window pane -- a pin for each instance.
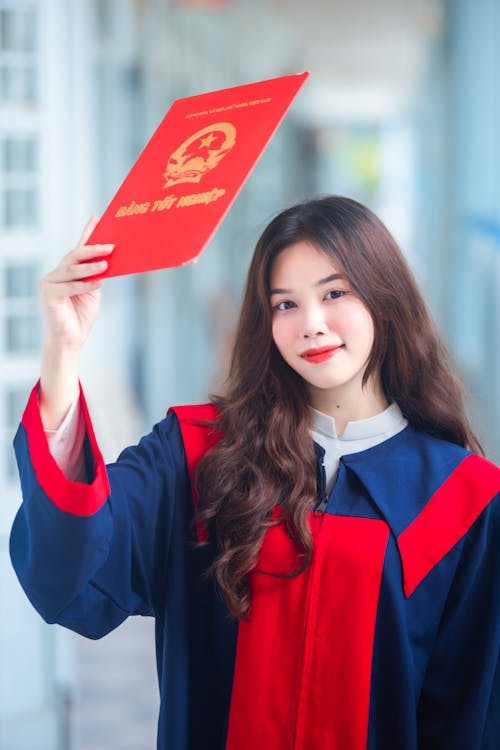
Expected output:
(17, 84)
(10, 460)
(29, 31)
(20, 208)
(30, 83)
(21, 281)
(18, 30)
(104, 18)
(22, 333)
(15, 402)
(19, 155)
(4, 34)
(4, 75)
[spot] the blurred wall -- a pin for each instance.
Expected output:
(43, 179)
(470, 282)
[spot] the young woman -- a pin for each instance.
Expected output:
(340, 586)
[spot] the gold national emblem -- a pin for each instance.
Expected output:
(200, 153)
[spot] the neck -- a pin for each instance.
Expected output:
(346, 406)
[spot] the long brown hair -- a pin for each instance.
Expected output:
(266, 455)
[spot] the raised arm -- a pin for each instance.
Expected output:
(89, 553)
(70, 301)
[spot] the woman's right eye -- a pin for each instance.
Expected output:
(286, 304)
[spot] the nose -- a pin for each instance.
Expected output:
(314, 323)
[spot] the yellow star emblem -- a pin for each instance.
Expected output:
(207, 141)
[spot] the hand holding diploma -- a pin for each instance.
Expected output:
(70, 297)
(201, 154)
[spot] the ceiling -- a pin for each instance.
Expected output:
(372, 54)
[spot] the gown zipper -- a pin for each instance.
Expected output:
(322, 505)
(323, 501)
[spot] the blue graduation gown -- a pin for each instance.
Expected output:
(389, 639)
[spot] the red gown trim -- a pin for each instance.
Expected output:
(310, 687)
(78, 498)
(197, 439)
(446, 518)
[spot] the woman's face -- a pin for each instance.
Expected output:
(319, 325)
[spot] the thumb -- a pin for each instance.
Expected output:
(89, 228)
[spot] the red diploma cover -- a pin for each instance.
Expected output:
(189, 173)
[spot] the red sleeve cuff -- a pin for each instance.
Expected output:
(71, 497)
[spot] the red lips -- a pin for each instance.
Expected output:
(320, 354)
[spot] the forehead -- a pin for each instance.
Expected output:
(301, 263)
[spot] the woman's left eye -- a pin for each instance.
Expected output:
(335, 293)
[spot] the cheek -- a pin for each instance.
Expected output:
(354, 325)
(280, 332)
(275, 330)
(363, 325)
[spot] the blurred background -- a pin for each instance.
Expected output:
(401, 112)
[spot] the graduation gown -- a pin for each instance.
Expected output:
(389, 639)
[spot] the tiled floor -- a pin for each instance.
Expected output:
(118, 699)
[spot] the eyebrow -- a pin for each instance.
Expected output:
(326, 280)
